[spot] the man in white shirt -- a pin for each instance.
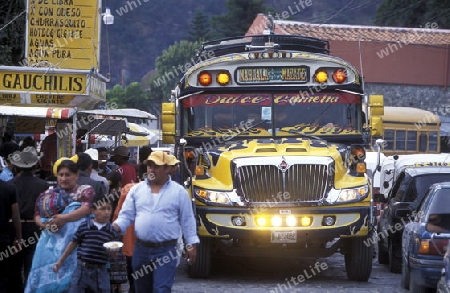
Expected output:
(161, 209)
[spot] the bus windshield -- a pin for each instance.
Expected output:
(271, 114)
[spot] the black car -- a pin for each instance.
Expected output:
(424, 240)
(408, 190)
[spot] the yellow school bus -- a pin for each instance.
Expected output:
(270, 133)
(409, 130)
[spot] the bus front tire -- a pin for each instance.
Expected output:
(358, 258)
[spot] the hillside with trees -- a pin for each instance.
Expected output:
(416, 13)
(142, 31)
(149, 43)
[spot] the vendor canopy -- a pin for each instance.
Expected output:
(134, 138)
(37, 112)
(126, 113)
(113, 122)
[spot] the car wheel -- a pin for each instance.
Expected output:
(358, 258)
(405, 275)
(383, 255)
(202, 267)
(395, 262)
(414, 288)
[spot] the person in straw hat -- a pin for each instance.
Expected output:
(160, 209)
(28, 188)
(174, 171)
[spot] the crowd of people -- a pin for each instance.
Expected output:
(52, 237)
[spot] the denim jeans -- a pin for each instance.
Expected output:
(154, 268)
(90, 280)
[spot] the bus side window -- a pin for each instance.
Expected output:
(389, 137)
(433, 141)
(411, 142)
(400, 140)
(423, 142)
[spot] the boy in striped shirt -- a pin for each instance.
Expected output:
(91, 272)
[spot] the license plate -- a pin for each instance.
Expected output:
(284, 237)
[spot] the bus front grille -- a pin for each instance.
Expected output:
(299, 183)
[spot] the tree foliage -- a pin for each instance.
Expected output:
(170, 66)
(115, 96)
(416, 13)
(199, 29)
(238, 18)
(133, 96)
(12, 33)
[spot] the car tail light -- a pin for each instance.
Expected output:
(433, 246)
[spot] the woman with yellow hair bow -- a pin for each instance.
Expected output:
(58, 211)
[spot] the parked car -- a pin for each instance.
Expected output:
(444, 283)
(424, 240)
(408, 190)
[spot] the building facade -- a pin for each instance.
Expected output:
(409, 66)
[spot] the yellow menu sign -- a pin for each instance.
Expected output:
(43, 82)
(51, 99)
(64, 33)
(9, 98)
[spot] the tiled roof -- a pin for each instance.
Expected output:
(340, 32)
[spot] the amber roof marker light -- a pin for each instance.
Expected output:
(223, 78)
(339, 76)
(205, 78)
(321, 76)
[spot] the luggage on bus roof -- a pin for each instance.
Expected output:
(285, 42)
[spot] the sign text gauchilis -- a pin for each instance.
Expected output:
(43, 82)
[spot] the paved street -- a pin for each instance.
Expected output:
(263, 275)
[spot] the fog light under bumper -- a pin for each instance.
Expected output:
(238, 221)
(328, 220)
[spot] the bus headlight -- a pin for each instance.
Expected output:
(347, 194)
(218, 197)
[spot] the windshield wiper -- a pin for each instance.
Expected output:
(245, 130)
(301, 134)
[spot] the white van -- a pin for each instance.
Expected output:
(392, 165)
(371, 164)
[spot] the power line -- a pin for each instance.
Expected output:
(399, 10)
(339, 11)
(324, 16)
(12, 20)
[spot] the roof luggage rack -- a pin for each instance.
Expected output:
(241, 44)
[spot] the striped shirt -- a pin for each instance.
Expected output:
(90, 242)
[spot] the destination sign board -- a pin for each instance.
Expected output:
(52, 83)
(266, 74)
(64, 33)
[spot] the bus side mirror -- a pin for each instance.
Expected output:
(168, 123)
(376, 126)
(376, 107)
